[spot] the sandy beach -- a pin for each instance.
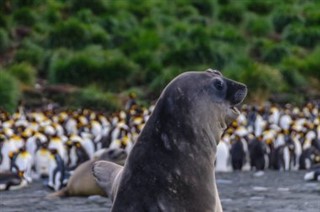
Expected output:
(239, 191)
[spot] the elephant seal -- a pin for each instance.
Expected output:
(82, 182)
(171, 165)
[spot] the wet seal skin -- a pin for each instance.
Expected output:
(171, 166)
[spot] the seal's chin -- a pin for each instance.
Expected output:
(232, 114)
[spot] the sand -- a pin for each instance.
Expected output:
(239, 191)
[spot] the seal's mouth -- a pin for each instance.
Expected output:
(235, 110)
(232, 114)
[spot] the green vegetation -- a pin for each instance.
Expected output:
(4, 40)
(107, 47)
(91, 97)
(110, 69)
(9, 92)
(24, 72)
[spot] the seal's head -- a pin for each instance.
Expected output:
(203, 98)
(230, 94)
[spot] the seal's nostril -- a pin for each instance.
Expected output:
(238, 95)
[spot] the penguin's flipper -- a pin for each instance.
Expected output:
(107, 176)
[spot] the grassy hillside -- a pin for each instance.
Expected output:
(107, 47)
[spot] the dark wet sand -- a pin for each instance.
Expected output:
(274, 192)
(239, 191)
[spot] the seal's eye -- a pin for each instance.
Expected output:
(218, 84)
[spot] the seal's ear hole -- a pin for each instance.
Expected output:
(218, 84)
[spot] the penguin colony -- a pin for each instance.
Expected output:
(272, 137)
(50, 144)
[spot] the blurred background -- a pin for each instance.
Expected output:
(78, 78)
(84, 53)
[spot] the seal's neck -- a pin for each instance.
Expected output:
(180, 147)
(186, 133)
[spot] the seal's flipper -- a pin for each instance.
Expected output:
(61, 193)
(107, 175)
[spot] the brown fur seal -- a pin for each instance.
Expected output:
(171, 166)
(82, 182)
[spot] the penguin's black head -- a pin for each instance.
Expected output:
(23, 149)
(53, 151)
(44, 145)
(2, 138)
(69, 144)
